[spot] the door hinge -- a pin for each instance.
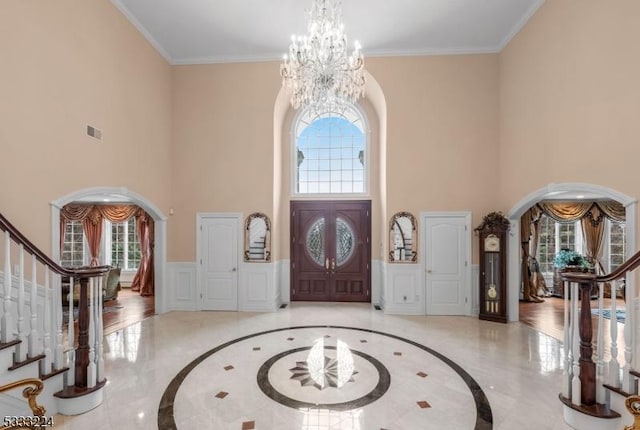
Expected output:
(367, 293)
(293, 213)
(200, 227)
(294, 291)
(201, 261)
(294, 239)
(466, 299)
(367, 240)
(367, 266)
(200, 296)
(367, 213)
(465, 264)
(293, 264)
(465, 228)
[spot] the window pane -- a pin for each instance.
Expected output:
(133, 246)
(546, 243)
(617, 245)
(73, 245)
(333, 147)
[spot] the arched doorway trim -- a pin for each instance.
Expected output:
(120, 194)
(550, 191)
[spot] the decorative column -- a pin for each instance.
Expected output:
(82, 353)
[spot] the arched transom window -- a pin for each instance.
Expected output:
(330, 153)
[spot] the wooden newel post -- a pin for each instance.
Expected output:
(82, 353)
(587, 366)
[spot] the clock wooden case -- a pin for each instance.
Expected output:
(493, 267)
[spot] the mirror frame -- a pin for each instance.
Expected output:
(414, 238)
(267, 237)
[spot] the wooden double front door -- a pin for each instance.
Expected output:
(331, 251)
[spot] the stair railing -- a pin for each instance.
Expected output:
(585, 379)
(37, 330)
(34, 387)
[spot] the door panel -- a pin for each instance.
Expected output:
(330, 251)
(446, 283)
(218, 270)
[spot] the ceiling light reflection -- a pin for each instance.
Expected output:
(325, 419)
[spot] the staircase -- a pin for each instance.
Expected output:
(594, 388)
(34, 343)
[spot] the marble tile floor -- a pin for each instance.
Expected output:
(326, 366)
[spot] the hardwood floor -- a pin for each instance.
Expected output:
(130, 307)
(548, 317)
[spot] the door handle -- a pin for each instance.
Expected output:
(428, 270)
(333, 264)
(326, 263)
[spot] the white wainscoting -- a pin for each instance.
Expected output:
(284, 279)
(259, 290)
(475, 289)
(377, 282)
(404, 289)
(183, 288)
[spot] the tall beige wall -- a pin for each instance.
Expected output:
(570, 99)
(66, 64)
(222, 145)
(442, 133)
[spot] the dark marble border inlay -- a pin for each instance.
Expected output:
(166, 420)
(384, 380)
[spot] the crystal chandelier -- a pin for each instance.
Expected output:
(318, 70)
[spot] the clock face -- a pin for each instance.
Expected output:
(492, 243)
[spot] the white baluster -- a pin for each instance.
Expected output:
(614, 365)
(576, 386)
(57, 322)
(600, 393)
(71, 353)
(6, 332)
(21, 348)
(33, 335)
(627, 380)
(91, 368)
(99, 333)
(46, 339)
(566, 372)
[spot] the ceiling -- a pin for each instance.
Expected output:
(216, 31)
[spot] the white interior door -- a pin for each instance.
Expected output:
(218, 274)
(447, 253)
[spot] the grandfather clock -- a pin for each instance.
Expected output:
(493, 267)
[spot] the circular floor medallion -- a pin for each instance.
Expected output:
(266, 385)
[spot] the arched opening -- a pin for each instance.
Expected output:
(567, 191)
(120, 195)
(374, 107)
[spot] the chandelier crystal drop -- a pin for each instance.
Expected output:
(318, 70)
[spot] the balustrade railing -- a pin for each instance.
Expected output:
(588, 372)
(34, 322)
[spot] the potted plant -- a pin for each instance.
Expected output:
(567, 260)
(570, 260)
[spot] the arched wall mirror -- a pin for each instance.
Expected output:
(257, 238)
(403, 240)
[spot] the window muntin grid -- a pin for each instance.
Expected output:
(330, 153)
(617, 245)
(125, 246)
(73, 245)
(546, 243)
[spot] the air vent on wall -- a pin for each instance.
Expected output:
(94, 132)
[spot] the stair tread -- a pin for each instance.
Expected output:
(73, 391)
(53, 373)
(634, 373)
(617, 390)
(27, 361)
(598, 410)
(9, 344)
